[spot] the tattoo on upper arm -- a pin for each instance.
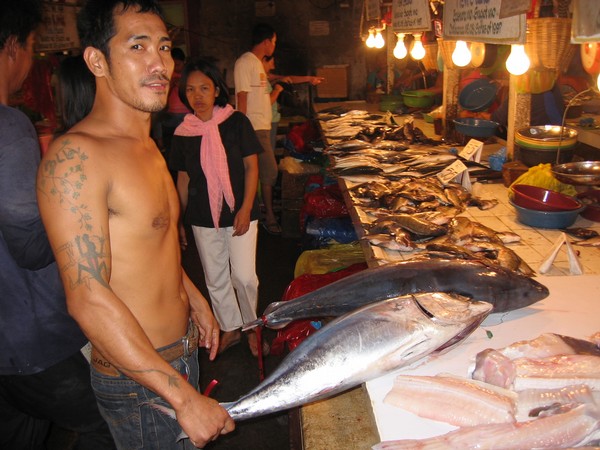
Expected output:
(63, 178)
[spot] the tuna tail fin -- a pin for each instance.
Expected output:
(250, 325)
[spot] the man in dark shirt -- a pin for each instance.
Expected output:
(44, 377)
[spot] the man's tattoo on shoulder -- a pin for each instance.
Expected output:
(63, 177)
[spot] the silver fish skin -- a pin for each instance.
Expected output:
(505, 289)
(362, 345)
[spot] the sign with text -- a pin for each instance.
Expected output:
(586, 21)
(452, 171)
(410, 15)
(372, 9)
(479, 21)
(59, 29)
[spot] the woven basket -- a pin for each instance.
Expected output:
(447, 48)
(430, 59)
(548, 42)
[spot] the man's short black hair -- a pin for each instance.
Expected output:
(178, 54)
(96, 20)
(19, 18)
(260, 32)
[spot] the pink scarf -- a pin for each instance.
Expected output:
(213, 159)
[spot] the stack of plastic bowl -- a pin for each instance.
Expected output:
(543, 208)
(541, 144)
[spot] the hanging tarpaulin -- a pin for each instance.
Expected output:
(411, 15)
(58, 32)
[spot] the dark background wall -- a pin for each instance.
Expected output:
(222, 29)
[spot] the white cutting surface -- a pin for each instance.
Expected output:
(573, 309)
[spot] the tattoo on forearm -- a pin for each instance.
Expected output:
(63, 178)
(172, 380)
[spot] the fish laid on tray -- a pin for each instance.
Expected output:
(535, 415)
(550, 361)
(504, 289)
(362, 345)
(574, 428)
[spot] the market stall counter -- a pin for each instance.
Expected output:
(360, 418)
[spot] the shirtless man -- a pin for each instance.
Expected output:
(111, 211)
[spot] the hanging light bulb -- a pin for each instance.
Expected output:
(599, 82)
(379, 41)
(400, 51)
(517, 62)
(371, 39)
(461, 56)
(417, 51)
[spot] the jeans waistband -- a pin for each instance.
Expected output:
(183, 347)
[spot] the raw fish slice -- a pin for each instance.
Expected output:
(556, 372)
(571, 429)
(532, 402)
(454, 400)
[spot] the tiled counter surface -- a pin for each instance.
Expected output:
(535, 244)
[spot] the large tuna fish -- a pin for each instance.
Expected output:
(361, 345)
(505, 289)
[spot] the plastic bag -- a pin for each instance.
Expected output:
(541, 176)
(324, 202)
(339, 229)
(294, 333)
(329, 259)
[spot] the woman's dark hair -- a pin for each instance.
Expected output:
(209, 69)
(77, 90)
(96, 20)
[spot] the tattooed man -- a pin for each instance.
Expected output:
(44, 377)
(111, 210)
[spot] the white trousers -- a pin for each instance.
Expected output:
(229, 264)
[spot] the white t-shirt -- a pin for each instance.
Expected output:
(249, 76)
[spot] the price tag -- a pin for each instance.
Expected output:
(450, 172)
(472, 150)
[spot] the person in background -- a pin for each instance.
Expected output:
(176, 109)
(275, 87)
(252, 99)
(215, 155)
(111, 212)
(547, 108)
(77, 88)
(44, 377)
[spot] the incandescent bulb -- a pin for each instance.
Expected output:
(517, 62)
(417, 51)
(461, 56)
(400, 49)
(371, 39)
(599, 82)
(379, 42)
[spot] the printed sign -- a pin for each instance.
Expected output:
(479, 21)
(411, 15)
(472, 150)
(59, 29)
(372, 9)
(452, 171)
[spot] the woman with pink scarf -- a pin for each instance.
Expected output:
(214, 152)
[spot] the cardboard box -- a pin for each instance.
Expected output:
(335, 84)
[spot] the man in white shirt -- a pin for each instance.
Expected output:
(252, 99)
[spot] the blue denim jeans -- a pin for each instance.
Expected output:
(134, 424)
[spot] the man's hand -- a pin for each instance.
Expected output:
(203, 419)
